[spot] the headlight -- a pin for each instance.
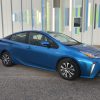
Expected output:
(88, 54)
(92, 68)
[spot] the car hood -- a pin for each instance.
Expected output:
(87, 48)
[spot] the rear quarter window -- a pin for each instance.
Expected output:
(8, 37)
(20, 37)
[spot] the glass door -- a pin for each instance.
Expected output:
(87, 21)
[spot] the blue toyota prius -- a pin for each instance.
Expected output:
(51, 51)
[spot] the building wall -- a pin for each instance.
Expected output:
(1, 35)
(5, 18)
(18, 15)
(90, 34)
(96, 31)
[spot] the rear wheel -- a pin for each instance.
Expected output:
(6, 59)
(68, 69)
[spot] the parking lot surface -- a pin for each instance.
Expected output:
(26, 83)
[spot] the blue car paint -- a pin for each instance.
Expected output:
(47, 58)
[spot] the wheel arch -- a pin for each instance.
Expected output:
(68, 58)
(11, 63)
(3, 52)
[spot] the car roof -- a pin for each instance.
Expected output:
(28, 31)
(41, 32)
(36, 31)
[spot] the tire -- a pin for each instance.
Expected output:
(6, 59)
(68, 69)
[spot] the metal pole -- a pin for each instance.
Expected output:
(32, 13)
(82, 21)
(93, 24)
(22, 15)
(11, 15)
(2, 19)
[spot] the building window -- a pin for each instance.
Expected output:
(56, 3)
(77, 16)
(77, 22)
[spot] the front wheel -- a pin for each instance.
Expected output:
(68, 69)
(6, 59)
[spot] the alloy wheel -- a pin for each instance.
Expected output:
(67, 70)
(6, 59)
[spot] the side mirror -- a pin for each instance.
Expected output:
(45, 43)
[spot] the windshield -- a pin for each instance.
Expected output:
(64, 38)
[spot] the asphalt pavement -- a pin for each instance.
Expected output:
(26, 83)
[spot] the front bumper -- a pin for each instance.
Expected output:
(96, 70)
(90, 68)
